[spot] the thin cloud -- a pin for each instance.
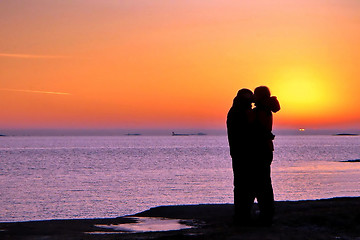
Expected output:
(12, 55)
(33, 91)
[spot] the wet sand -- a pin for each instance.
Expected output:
(336, 218)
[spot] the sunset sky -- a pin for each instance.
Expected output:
(176, 64)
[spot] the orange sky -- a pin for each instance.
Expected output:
(176, 64)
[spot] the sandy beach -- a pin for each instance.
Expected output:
(336, 218)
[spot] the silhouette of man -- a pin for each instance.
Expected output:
(263, 151)
(239, 130)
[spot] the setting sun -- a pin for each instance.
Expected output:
(303, 91)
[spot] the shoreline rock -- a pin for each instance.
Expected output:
(335, 218)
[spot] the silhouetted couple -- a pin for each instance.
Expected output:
(251, 149)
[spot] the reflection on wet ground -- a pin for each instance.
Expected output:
(147, 224)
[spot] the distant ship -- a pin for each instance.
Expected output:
(351, 161)
(180, 134)
(200, 134)
(188, 134)
(133, 134)
(346, 134)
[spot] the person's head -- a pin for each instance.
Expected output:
(244, 98)
(261, 95)
(263, 98)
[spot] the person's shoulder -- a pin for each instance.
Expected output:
(230, 112)
(231, 115)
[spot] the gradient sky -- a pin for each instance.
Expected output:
(176, 64)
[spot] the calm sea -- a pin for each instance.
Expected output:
(94, 177)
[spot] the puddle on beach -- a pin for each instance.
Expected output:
(146, 224)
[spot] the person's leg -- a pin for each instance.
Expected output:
(265, 194)
(243, 202)
(243, 198)
(266, 202)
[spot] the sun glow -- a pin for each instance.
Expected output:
(303, 91)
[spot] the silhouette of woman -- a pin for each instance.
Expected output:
(239, 121)
(263, 151)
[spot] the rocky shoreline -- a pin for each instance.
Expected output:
(336, 218)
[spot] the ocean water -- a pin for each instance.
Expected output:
(95, 177)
